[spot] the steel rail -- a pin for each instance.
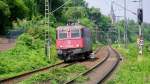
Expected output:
(98, 65)
(38, 70)
(34, 72)
(118, 56)
(92, 68)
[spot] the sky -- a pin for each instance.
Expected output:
(105, 5)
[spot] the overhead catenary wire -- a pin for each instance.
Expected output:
(47, 22)
(126, 8)
(60, 6)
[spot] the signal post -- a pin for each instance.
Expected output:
(140, 40)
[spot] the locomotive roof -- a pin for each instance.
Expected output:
(74, 26)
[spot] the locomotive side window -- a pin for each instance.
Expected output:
(62, 35)
(75, 33)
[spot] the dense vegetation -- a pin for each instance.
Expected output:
(13, 10)
(133, 30)
(57, 76)
(134, 69)
(29, 51)
(29, 14)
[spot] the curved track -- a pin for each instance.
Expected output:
(101, 71)
(18, 78)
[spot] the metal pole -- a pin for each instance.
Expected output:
(49, 40)
(45, 30)
(47, 23)
(96, 32)
(119, 39)
(140, 32)
(140, 39)
(125, 25)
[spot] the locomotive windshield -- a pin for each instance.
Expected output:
(62, 35)
(69, 33)
(75, 33)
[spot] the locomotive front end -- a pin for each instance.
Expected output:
(69, 41)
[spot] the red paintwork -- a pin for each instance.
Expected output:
(69, 43)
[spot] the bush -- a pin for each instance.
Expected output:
(28, 54)
(20, 59)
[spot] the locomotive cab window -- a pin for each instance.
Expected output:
(75, 33)
(62, 35)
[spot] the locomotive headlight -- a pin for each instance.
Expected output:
(61, 46)
(77, 45)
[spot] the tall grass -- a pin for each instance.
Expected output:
(56, 76)
(131, 70)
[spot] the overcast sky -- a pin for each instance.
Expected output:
(104, 6)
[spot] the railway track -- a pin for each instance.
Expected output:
(18, 78)
(102, 70)
(106, 63)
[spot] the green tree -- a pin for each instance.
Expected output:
(74, 13)
(4, 15)
(101, 21)
(11, 10)
(33, 7)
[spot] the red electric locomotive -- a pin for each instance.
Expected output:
(73, 42)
